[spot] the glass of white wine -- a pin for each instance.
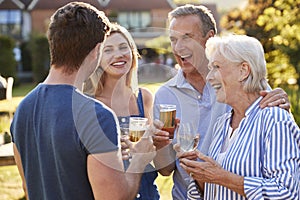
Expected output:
(188, 140)
(187, 136)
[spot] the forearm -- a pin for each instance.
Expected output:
(164, 160)
(134, 174)
(233, 182)
(133, 181)
(20, 169)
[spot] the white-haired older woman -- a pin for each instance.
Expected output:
(255, 153)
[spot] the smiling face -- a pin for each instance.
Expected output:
(188, 43)
(225, 78)
(116, 56)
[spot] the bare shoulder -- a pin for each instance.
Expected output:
(147, 96)
(147, 102)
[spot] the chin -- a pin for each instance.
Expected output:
(220, 100)
(187, 67)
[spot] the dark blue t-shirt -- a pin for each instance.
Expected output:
(55, 128)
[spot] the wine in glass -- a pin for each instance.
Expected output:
(187, 136)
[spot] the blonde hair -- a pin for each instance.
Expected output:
(95, 83)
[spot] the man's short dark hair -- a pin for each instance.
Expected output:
(74, 30)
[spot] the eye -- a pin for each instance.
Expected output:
(108, 50)
(125, 47)
(173, 40)
(215, 66)
(186, 37)
(212, 67)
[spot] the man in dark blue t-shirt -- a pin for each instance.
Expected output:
(66, 144)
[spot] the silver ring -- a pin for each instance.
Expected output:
(191, 174)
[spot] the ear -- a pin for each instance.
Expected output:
(210, 34)
(245, 70)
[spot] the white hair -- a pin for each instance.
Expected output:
(239, 49)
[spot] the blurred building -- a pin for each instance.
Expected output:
(145, 19)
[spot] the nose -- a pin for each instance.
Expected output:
(179, 46)
(118, 53)
(210, 76)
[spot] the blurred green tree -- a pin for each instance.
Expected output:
(39, 51)
(8, 64)
(276, 23)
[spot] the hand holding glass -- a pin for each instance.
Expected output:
(167, 115)
(124, 127)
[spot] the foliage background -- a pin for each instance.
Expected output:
(276, 24)
(7, 60)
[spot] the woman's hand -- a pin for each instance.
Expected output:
(125, 148)
(190, 155)
(206, 170)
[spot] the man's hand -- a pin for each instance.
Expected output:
(160, 138)
(276, 97)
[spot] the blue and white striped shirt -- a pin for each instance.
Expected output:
(266, 152)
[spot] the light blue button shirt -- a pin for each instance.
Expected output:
(191, 106)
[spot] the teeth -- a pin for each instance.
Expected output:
(118, 63)
(185, 56)
(217, 86)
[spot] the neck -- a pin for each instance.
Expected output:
(240, 106)
(114, 85)
(197, 77)
(58, 76)
(196, 80)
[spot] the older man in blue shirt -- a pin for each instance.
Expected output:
(189, 91)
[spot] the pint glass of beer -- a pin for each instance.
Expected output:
(167, 115)
(137, 128)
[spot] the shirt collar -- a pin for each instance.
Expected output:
(180, 81)
(254, 107)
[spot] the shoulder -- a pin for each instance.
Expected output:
(277, 114)
(221, 119)
(147, 96)
(90, 107)
(167, 87)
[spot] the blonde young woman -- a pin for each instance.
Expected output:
(115, 84)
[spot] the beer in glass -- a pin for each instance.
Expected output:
(167, 115)
(137, 128)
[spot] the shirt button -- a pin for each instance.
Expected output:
(199, 96)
